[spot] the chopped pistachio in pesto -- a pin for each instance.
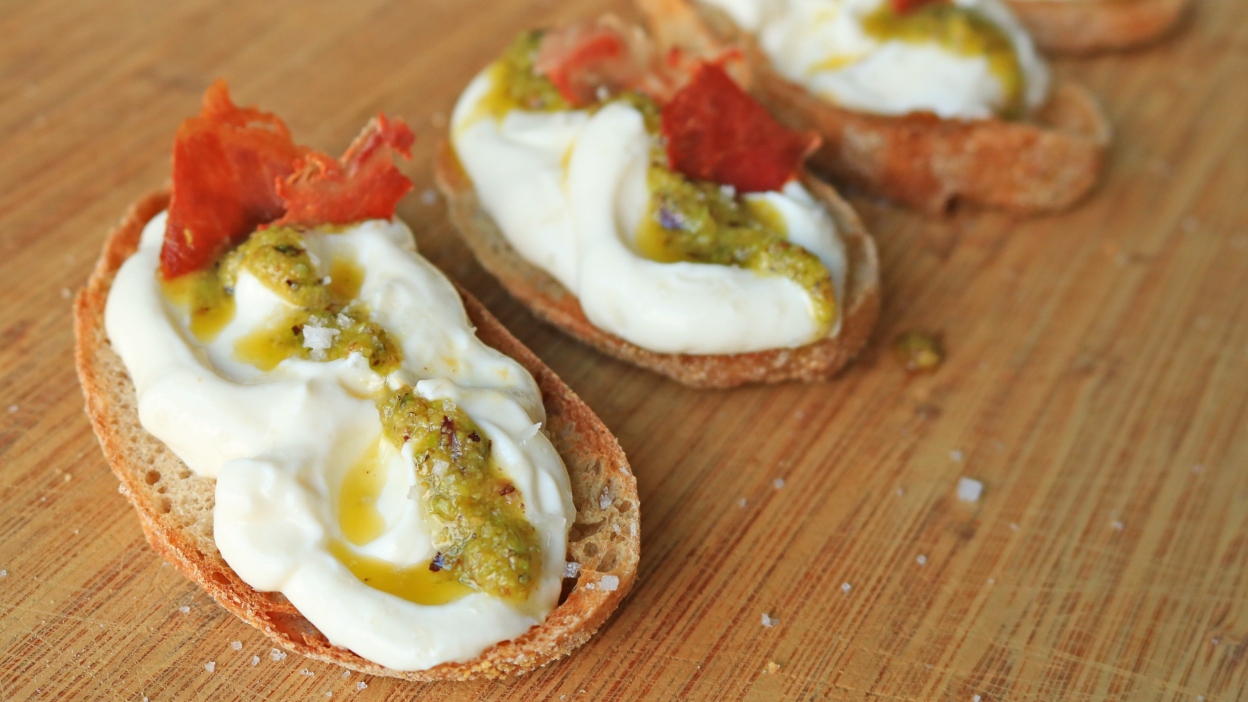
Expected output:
(961, 30)
(484, 536)
(516, 85)
(707, 223)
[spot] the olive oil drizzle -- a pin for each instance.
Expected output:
(486, 542)
(960, 30)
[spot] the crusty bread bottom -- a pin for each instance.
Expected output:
(553, 303)
(1048, 162)
(1085, 26)
(175, 506)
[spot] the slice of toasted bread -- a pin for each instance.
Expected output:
(1047, 162)
(175, 506)
(1086, 26)
(552, 302)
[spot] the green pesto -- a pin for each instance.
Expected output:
(278, 259)
(961, 30)
(484, 535)
(516, 84)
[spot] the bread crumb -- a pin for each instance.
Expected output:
(210, 666)
(306, 672)
(921, 559)
(184, 609)
(277, 654)
(777, 483)
(919, 352)
(571, 569)
(846, 587)
(429, 197)
(609, 583)
(957, 456)
(969, 489)
(361, 685)
(770, 621)
(255, 660)
(771, 667)
(236, 645)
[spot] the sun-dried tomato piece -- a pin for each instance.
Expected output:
(717, 132)
(226, 163)
(365, 184)
(901, 7)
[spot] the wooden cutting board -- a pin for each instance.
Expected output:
(1095, 384)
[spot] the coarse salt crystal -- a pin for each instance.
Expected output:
(429, 197)
(361, 685)
(846, 587)
(969, 489)
(777, 483)
(741, 502)
(184, 609)
(571, 569)
(210, 666)
(1118, 525)
(346, 673)
(604, 500)
(236, 645)
(306, 672)
(976, 698)
(4, 573)
(12, 409)
(255, 660)
(1014, 526)
(318, 338)
(957, 455)
(277, 654)
(329, 693)
(609, 583)
(530, 433)
(769, 621)
(921, 559)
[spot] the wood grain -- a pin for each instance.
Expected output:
(1095, 384)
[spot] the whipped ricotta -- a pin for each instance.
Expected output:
(568, 191)
(280, 443)
(823, 45)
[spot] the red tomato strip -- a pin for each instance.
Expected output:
(717, 132)
(364, 185)
(226, 163)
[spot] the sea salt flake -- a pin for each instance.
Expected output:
(957, 455)
(318, 338)
(969, 489)
(236, 645)
(65, 293)
(741, 503)
(210, 666)
(346, 673)
(846, 587)
(306, 672)
(12, 409)
(4, 573)
(777, 483)
(921, 559)
(770, 621)
(1014, 526)
(184, 609)
(604, 500)
(255, 660)
(1118, 525)
(976, 698)
(571, 569)
(277, 654)
(361, 685)
(429, 197)
(530, 433)
(771, 667)
(609, 583)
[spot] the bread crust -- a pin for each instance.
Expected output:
(553, 303)
(1047, 162)
(175, 506)
(1088, 26)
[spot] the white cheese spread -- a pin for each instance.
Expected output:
(280, 443)
(824, 46)
(568, 191)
